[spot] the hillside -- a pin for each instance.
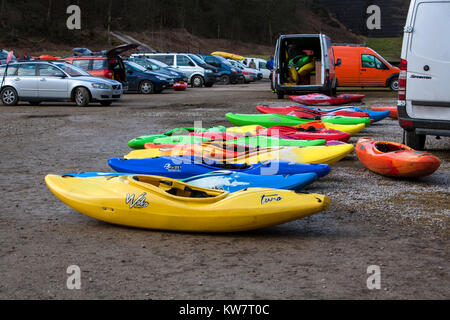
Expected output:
(245, 27)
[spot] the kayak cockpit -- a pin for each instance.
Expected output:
(176, 188)
(386, 147)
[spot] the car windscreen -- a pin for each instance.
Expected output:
(71, 70)
(158, 63)
(196, 59)
(135, 66)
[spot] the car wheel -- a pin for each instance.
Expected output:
(197, 81)
(394, 84)
(146, 87)
(106, 103)
(82, 97)
(225, 79)
(415, 141)
(9, 97)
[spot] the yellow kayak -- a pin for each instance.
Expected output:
(159, 203)
(317, 154)
(253, 129)
(227, 55)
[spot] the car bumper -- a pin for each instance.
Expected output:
(422, 126)
(105, 95)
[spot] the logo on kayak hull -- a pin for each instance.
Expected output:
(139, 203)
(270, 198)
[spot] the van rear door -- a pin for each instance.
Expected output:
(428, 59)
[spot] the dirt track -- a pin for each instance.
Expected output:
(401, 226)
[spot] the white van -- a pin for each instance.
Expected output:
(321, 77)
(424, 95)
(261, 66)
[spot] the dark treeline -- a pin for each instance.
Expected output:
(256, 21)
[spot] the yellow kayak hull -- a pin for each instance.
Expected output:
(151, 203)
(253, 129)
(317, 154)
(228, 55)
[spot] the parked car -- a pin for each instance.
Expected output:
(261, 66)
(198, 72)
(424, 98)
(250, 75)
(321, 79)
(106, 64)
(159, 67)
(228, 73)
(4, 56)
(55, 81)
(363, 67)
(144, 81)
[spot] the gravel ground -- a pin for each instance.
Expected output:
(399, 225)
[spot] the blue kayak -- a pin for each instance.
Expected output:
(182, 167)
(374, 115)
(230, 181)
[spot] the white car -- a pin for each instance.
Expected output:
(261, 65)
(424, 98)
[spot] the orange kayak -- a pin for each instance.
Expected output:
(395, 160)
(393, 110)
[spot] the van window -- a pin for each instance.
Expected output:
(431, 19)
(82, 64)
(370, 61)
(99, 64)
(27, 70)
(262, 65)
(183, 61)
(167, 59)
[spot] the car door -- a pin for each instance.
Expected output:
(26, 81)
(132, 77)
(373, 71)
(185, 65)
(53, 83)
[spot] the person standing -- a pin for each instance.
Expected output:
(252, 64)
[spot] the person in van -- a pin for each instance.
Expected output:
(252, 64)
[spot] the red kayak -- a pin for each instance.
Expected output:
(299, 111)
(223, 136)
(286, 132)
(180, 86)
(317, 99)
(393, 110)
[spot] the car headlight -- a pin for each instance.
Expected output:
(100, 86)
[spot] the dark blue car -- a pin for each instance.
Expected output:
(228, 73)
(159, 67)
(144, 81)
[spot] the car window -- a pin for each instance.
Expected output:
(72, 70)
(370, 61)
(99, 64)
(167, 59)
(49, 71)
(12, 70)
(27, 70)
(82, 64)
(3, 55)
(183, 61)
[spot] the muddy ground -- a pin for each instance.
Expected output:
(399, 225)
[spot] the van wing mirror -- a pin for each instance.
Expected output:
(338, 62)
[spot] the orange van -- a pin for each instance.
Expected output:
(363, 67)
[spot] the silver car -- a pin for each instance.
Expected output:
(55, 81)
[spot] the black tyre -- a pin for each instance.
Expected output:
(415, 141)
(280, 95)
(106, 103)
(225, 79)
(146, 87)
(393, 84)
(82, 97)
(9, 97)
(197, 81)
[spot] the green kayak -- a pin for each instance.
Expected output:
(181, 140)
(267, 142)
(139, 143)
(271, 120)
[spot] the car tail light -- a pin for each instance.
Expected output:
(402, 80)
(108, 74)
(246, 73)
